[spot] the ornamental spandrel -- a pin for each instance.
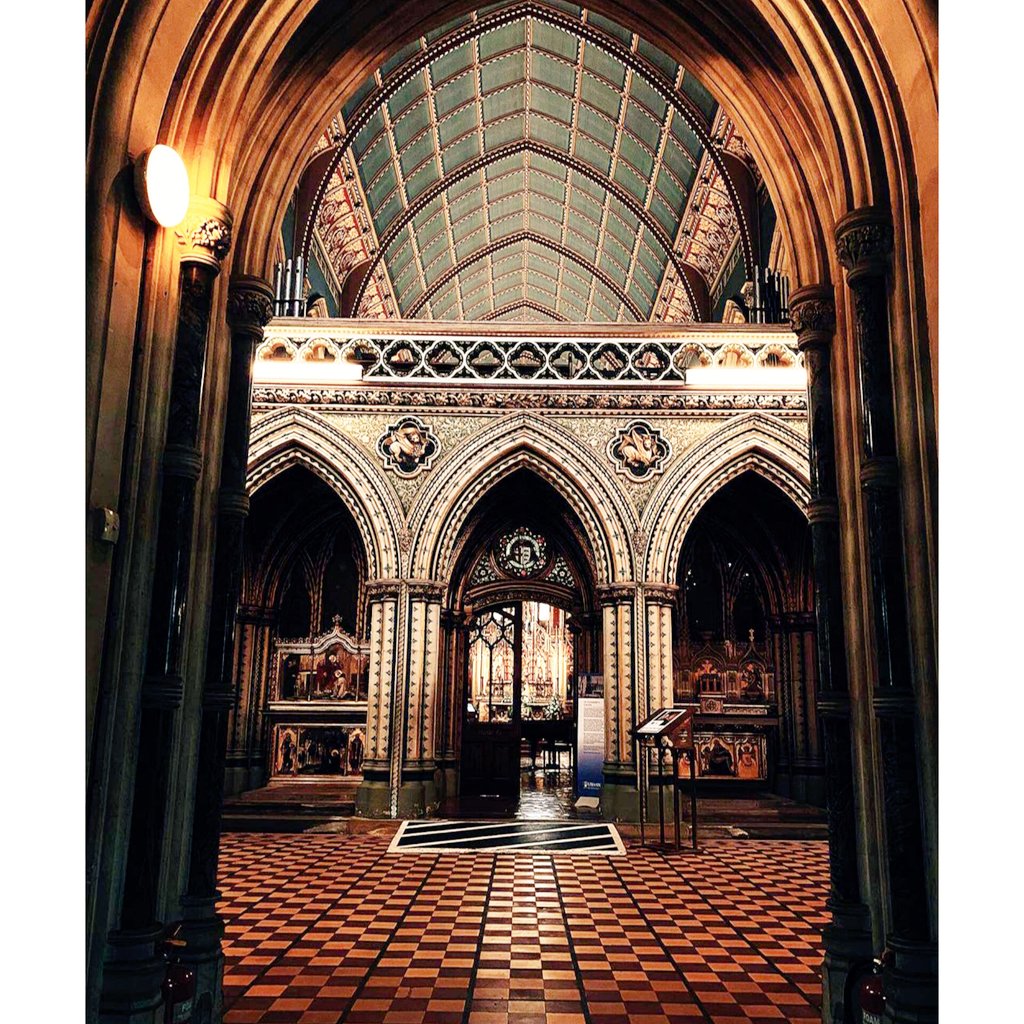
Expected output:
(408, 447)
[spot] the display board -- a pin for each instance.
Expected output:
(589, 735)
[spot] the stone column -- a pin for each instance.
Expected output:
(250, 307)
(373, 796)
(420, 785)
(451, 699)
(864, 247)
(659, 600)
(619, 786)
(133, 973)
(848, 936)
(800, 763)
(246, 764)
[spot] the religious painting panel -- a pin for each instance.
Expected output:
(318, 751)
(732, 755)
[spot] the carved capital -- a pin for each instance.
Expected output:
(812, 313)
(432, 591)
(616, 593)
(205, 236)
(660, 593)
(864, 241)
(250, 304)
(382, 590)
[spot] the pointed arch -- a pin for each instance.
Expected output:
(758, 442)
(295, 437)
(555, 455)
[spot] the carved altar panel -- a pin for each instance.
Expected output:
(318, 751)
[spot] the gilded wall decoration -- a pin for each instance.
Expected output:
(639, 451)
(408, 447)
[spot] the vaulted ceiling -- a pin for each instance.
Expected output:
(530, 162)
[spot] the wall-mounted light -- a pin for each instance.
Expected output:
(161, 184)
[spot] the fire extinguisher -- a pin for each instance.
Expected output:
(179, 985)
(871, 991)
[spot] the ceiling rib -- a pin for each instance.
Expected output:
(513, 239)
(511, 149)
(512, 307)
(582, 30)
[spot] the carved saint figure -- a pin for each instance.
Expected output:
(751, 678)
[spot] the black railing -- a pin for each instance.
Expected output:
(770, 303)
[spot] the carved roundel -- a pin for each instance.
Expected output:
(408, 447)
(639, 451)
(522, 553)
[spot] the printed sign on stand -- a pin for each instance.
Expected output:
(590, 735)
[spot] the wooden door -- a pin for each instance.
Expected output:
(492, 730)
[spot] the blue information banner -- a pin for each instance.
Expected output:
(589, 738)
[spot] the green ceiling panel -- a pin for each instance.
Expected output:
(450, 64)
(502, 71)
(406, 96)
(518, 83)
(662, 61)
(460, 153)
(601, 96)
(455, 94)
(602, 63)
(593, 155)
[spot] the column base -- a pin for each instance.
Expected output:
(373, 797)
(619, 795)
(419, 796)
(848, 952)
(912, 983)
(202, 929)
(132, 978)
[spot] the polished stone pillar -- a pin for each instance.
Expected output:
(848, 936)
(250, 307)
(864, 248)
(373, 795)
(133, 973)
(419, 793)
(247, 760)
(799, 768)
(619, 786)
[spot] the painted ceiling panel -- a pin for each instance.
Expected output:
(529, 150)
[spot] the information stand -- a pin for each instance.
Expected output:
(670, 729)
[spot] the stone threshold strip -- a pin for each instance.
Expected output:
(506, 836)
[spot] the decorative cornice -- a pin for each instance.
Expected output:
(637, 400)
(864, 240)
(250, 304)
(812, 313)
(205, 236)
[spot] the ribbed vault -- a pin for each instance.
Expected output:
(545, 123)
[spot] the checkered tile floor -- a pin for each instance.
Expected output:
(324, 929)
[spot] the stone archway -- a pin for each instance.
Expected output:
(832, 104)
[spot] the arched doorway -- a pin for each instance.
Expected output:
(301, 648)
(745, 649)
(523, 598)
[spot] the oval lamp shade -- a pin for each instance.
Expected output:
(161, 184)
